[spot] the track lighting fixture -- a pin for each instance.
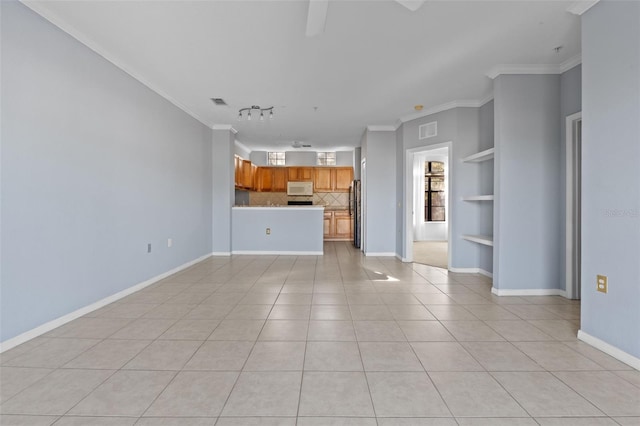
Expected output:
(256, 108)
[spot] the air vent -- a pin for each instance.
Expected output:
(428, 130)
(218, 101)
(298, 144)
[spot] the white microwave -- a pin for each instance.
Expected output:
(299, 188)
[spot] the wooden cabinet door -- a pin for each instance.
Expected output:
(264, 178)
(323, 179)
(247, 178)
(279, 179)
(328, 225)
(305, 174)
(343, 179)
(237, 162)
(292, 173)
(342, 224)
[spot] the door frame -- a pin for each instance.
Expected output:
(363, 205)
(409, 202)
(572, 218)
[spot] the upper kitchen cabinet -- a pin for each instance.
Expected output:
(300, 174)
(244, 173)
(344, 179)
(264, 179)
(280, 179)
(332, 179)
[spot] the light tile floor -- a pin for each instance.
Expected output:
(333, 340)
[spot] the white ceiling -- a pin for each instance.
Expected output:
(373, 63)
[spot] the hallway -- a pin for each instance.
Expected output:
(339, 339)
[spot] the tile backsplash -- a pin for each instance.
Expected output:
(328, 199)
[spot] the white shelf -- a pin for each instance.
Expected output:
(480, 239)
(478, 198)
(480, 156)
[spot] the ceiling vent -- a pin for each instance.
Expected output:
(218, 101)
(428, 130)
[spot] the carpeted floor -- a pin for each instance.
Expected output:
(434, 253)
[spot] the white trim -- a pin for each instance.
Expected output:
(48, 326)
(569, 174)
(528, 292)
(278, 253)
(486, 99)
(571, 62)
(605, 347)
(38, 7)
(486, 240)
(381, 128)
(381, 254)
(407, 189)
(580, 7)
(402, 259)
(471, 271)
(501, 69)
(443, 107)
(224, 127)
(241, 145)
(221, 253)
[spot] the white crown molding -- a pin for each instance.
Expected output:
(38, 7)
(224, 127)
(381, 128)
(241, 145)
(580, 7)
(535, 68)
(486, 99)
(570, 63)
(443, 107)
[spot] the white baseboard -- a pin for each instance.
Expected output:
(472, 271)
(221, 253)
(381, 254)
(402, 259)
(48, 326)
(605, 347)
(279, 253)
(529, 292)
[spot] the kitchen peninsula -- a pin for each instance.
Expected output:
(281, 230)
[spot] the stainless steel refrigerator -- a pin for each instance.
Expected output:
(355, 210)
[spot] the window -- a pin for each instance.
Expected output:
(275, 158)
(326, 159)
(434, 202)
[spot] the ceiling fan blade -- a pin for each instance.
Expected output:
(412, 5)
(317, 17)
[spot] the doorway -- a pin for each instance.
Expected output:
(573, 234)
(427, 215)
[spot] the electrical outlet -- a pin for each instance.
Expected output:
(602, 283)
(149, 248)
(268, 231)
(169, 242)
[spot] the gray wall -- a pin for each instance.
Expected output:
(301, 158)
(611, 176)
(570, 103)
(461, 126)
(259, 158)
(94, 167)
(223, 176)
(527, 221)
(344, 158)
(486, 117)
(241, 151)
(379, 151)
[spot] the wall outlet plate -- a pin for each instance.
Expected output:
(149, 248)
(602, 283)
(169, 242)
(268, 231)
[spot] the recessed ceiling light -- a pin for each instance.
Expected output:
(418, 107)
(218, 101)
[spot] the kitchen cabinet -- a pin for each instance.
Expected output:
(243, 173)
(300, 174)
(332, 179)
(338, 225)
(280, 179)
(264, 179)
